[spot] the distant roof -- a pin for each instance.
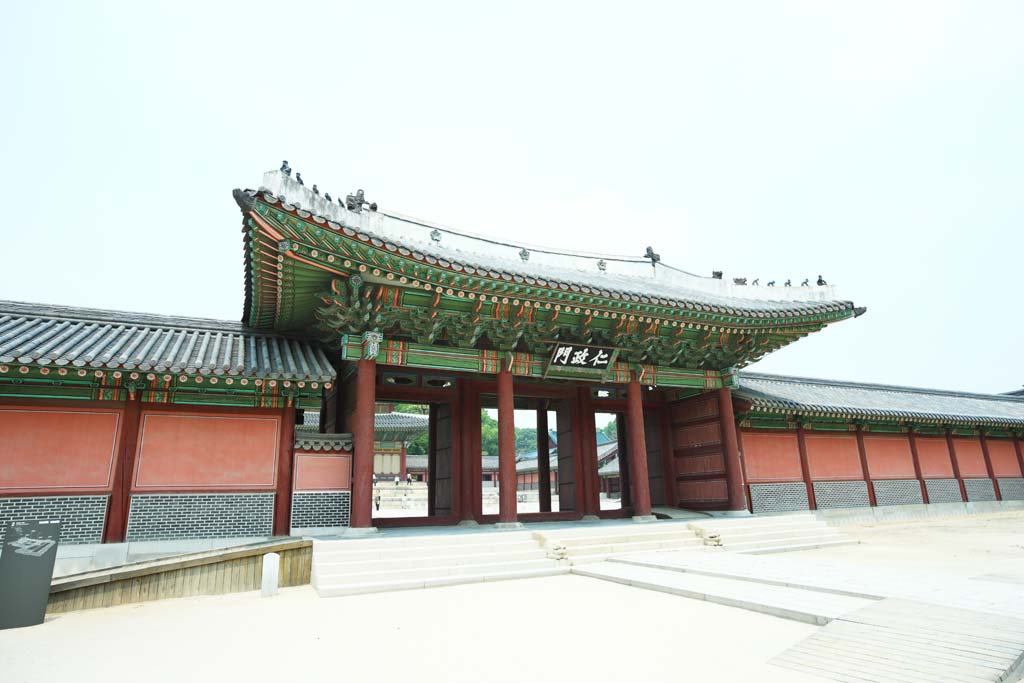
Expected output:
(609, 469)
(857, 400)
(1015, 392)
(61, 335)
(399, 424)
(489, 463)
(630, 277)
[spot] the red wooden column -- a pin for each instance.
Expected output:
(401, 463)
(730, 443)
(956, 465)
(864, 465)
(506, 449)
(917, 464)
(285, 461)
(1020, 453)
(988, 464)
(805, 468)
(116, 528)
(543, 459)
(362, 442)
(640, 486)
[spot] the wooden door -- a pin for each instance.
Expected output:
(655, 458)
(440, 460)
(566, 466)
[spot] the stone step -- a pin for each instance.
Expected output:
(432, 560)
(724, 566)
(417, 552)
(638, 546)
(752, 526)
(792, 547)
(340, 589)
(772, 540)
(338, 577)
(728, 538)
(790, 603)
(626, 536)
(454, 537)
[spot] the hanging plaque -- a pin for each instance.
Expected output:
(581, 356)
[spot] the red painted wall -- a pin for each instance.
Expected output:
(933, 455)
(1003, 457)
(57, 449)
(317, 472)
(832, 456)
(889, 457)
(970, 457)
(195, 451)
(771, 456)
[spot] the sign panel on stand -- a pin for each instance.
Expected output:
(26, 570)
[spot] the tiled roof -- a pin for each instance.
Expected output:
(305, 441)
(529, 463)
(84, 337)
(400, 423)
(488, 463)
(407, 236)
(856, 400)
(609, 469)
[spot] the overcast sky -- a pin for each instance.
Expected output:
(878, 144)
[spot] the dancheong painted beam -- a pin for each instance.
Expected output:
(314, 265)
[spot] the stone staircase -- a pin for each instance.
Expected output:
(580, 545)
(773, 534)
(372, 565)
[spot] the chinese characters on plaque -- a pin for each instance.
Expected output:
(580, 356)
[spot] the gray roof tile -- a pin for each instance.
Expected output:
(42, 335)
(857, 400)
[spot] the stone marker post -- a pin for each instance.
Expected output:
(271, 563)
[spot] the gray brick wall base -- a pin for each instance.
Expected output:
(943, 491)
(1012, 488)
(782, 497)
(898, 492)
(317, 509)
(841, 494)
(979, 490)
(81, 517)
(167, 516)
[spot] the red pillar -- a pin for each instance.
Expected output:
(956, 465)
(362, 438)
(401, 463)
(116, 528)
(1020, 453)
(506, 449)
(283, 498)
(917, 465)
(988, 465)
(731, 446)
(543, 460)
(805, 468)
(638, 481)
(864, 465)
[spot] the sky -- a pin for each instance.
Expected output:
(878, 144)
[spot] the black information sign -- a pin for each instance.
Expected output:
(581, 356)
(26, 570)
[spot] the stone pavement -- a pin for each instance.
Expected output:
(983, 594)
(882, 625)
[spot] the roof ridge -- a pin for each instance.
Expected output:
(794, 379)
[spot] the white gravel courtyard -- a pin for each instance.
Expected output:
(565, 628)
